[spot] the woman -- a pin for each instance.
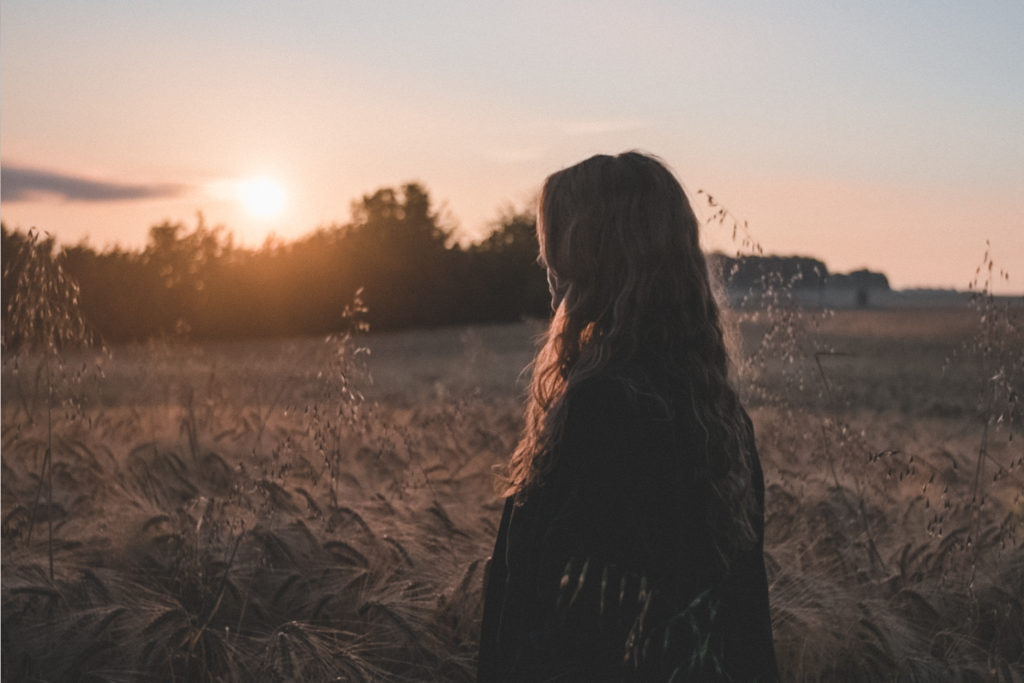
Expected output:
(630, 547)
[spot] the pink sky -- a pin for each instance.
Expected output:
(872, 136)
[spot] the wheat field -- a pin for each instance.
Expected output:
(322, 509)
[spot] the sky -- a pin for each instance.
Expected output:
(887, 135)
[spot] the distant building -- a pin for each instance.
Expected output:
(859, 279)
(748, 280)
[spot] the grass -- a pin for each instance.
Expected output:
(305, 510)
(241, 512)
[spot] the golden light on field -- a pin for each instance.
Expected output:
(262, 197)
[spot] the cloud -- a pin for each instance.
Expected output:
(515, 155)
(18, 183)
(600, 127)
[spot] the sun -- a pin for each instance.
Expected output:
(262, 197)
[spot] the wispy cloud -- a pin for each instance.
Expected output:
(20, 183)
(515, 155)
(602, 126)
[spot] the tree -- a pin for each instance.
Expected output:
(400, 258)
(511, 281)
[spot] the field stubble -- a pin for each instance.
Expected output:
(303, 510)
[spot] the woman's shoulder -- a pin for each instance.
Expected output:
(621, 393)
(614, 419)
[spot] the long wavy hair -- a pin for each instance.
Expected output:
(629, 283)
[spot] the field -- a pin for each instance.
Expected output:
(311, 509)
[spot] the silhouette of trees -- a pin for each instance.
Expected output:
(398, 252)
(752, 272)
(396, 248)
(508, 277)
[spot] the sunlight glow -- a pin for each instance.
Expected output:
(262, 197)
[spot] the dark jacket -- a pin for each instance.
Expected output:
(607, 572)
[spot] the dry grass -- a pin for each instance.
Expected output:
(263, 511)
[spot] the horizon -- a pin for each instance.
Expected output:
(879, 137)
(274, 241)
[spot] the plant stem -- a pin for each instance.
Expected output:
(49, 470)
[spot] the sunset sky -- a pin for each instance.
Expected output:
(883, 134)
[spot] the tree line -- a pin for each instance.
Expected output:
(394, 252)
(395, 256)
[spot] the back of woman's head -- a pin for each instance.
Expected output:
(633, 298)
(621, 242)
